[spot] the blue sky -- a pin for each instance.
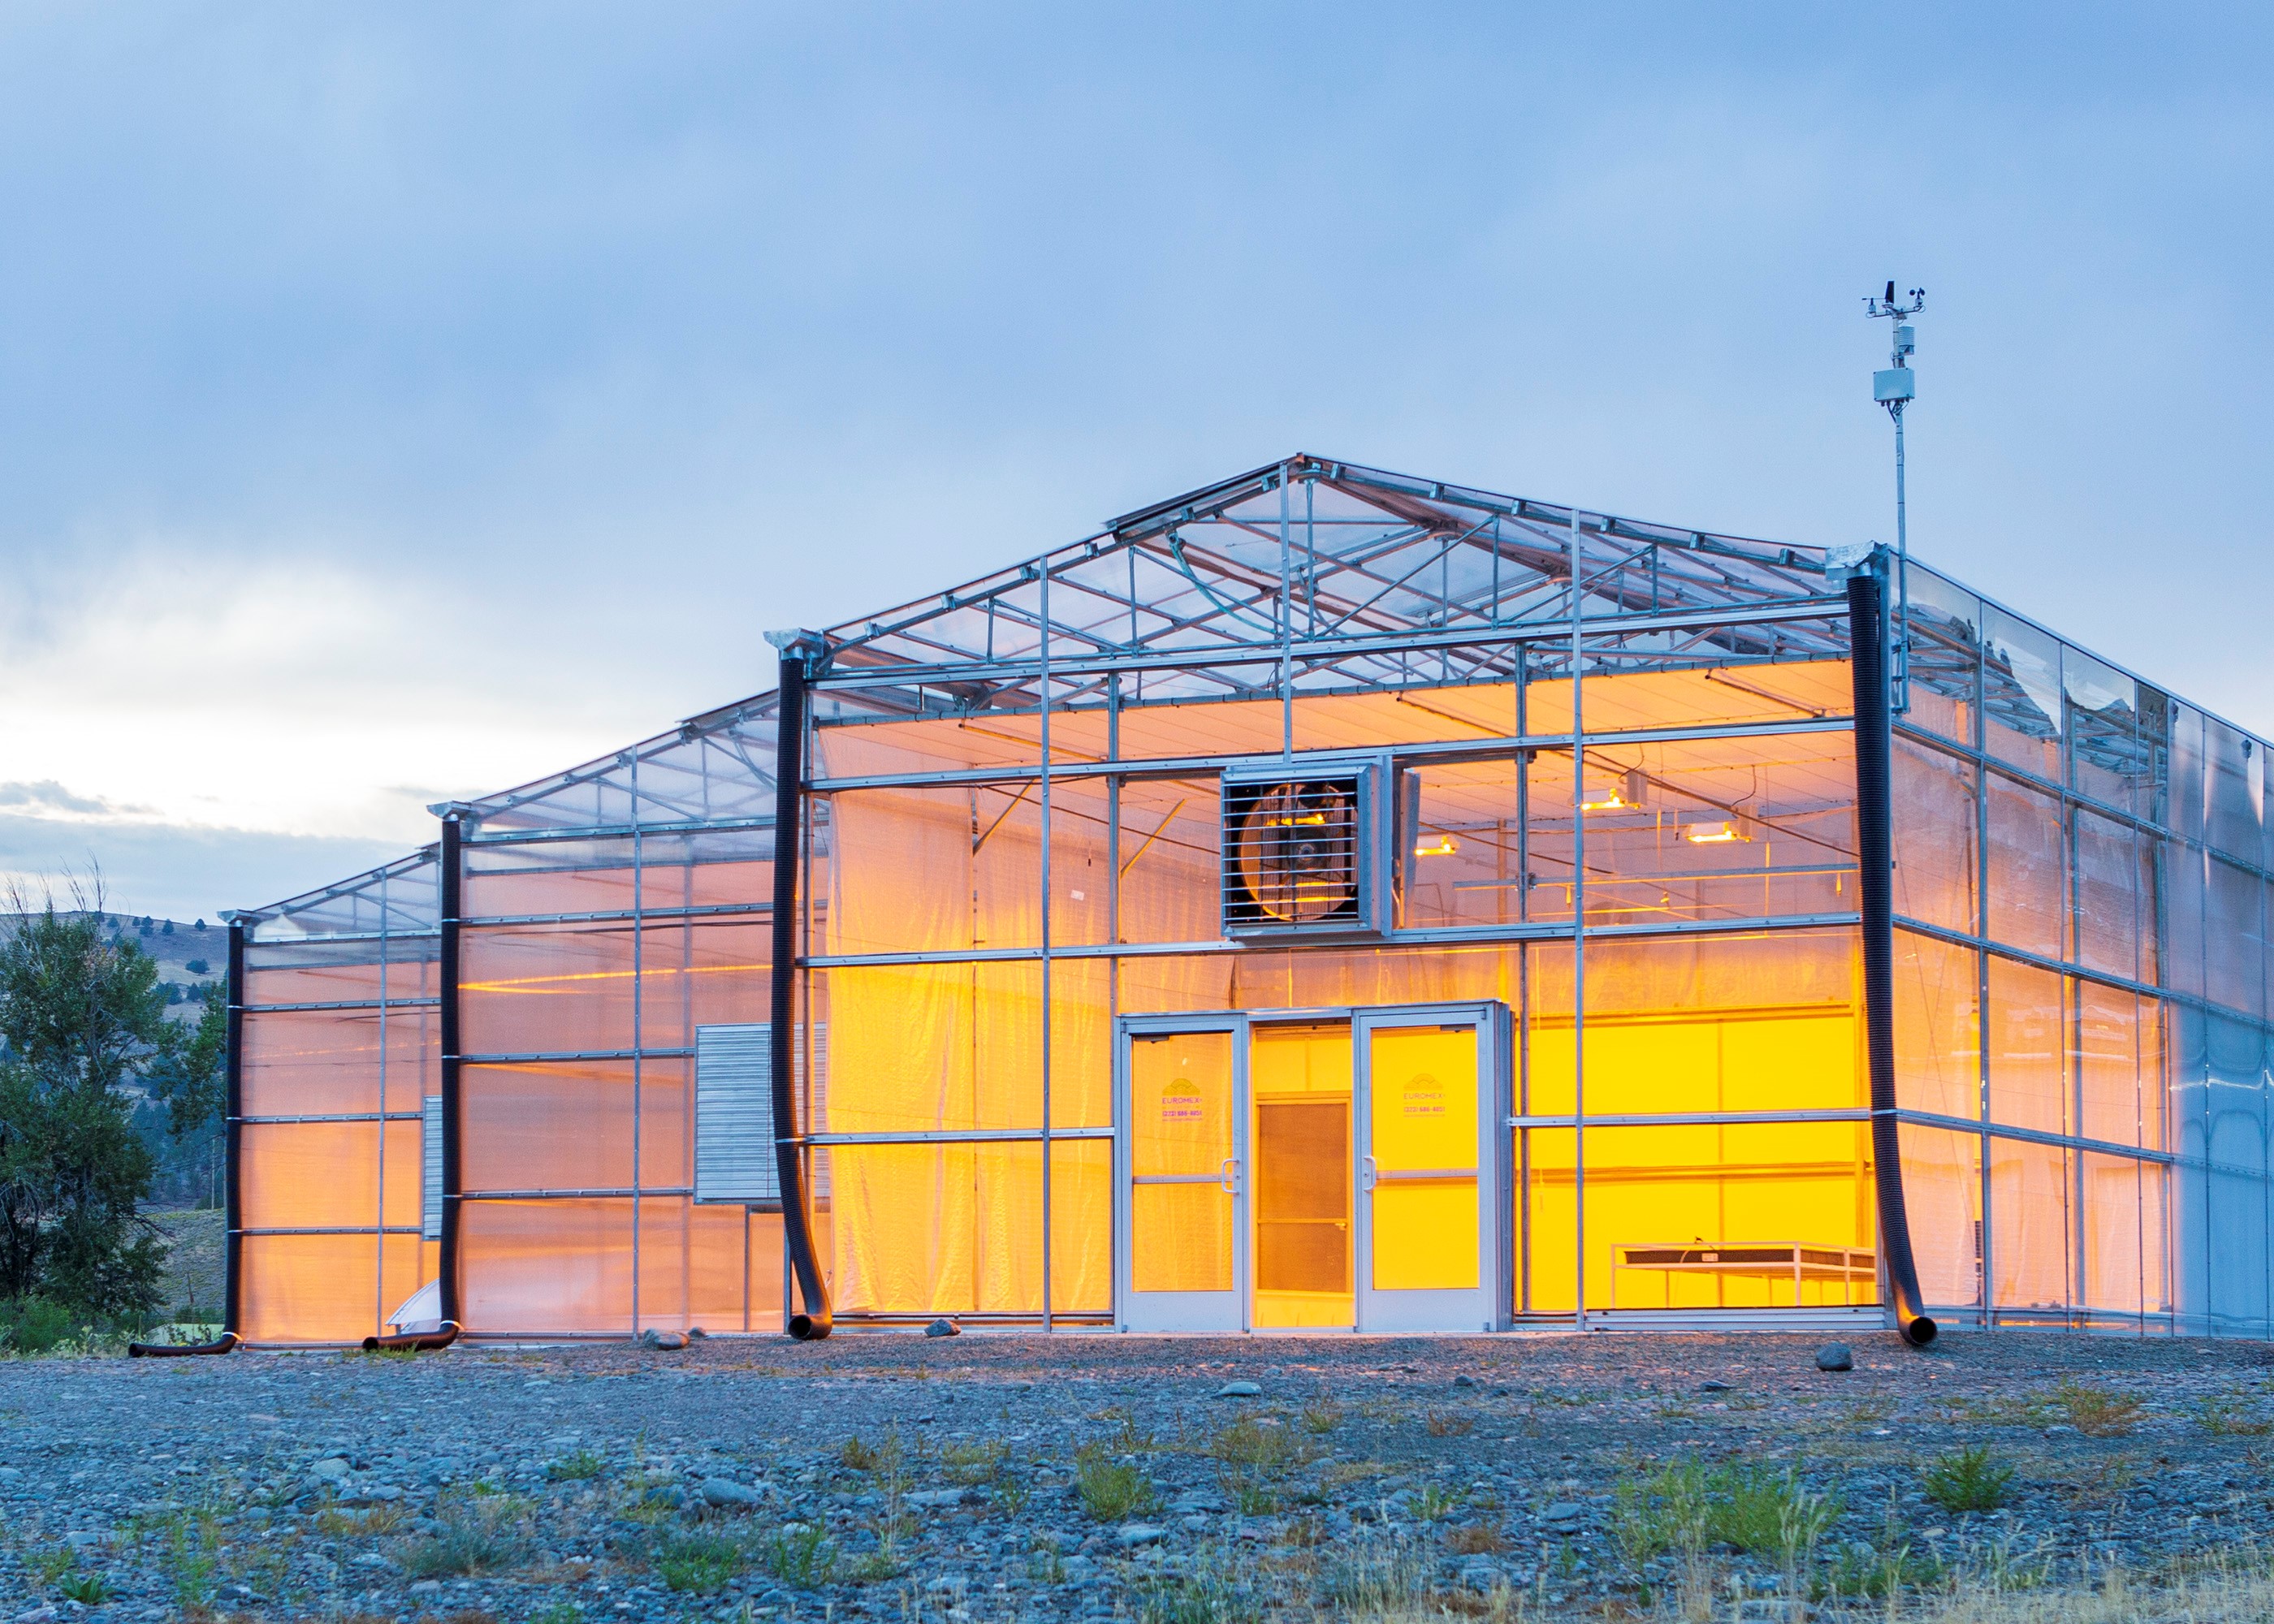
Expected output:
(398, 402)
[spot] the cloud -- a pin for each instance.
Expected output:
(50, 797)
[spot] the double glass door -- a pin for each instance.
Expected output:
(1324, 1171)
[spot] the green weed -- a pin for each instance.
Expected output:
(1968, 1479)
(1264, 1445)
(2230, 1416)
(698, 1562)
(1684, 1508)
(576, 1468)
(802, 1556)
(1112, 1491)
(1322, 1416)
(478, 1536)
(1204, 1597)
(2097, 1412)
(90, 1590)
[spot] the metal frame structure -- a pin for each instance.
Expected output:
(629, 900)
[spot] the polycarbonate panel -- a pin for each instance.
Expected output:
(2115, 1230)
(2025, 893)
(1938, 1035)
(1081, 862)
(667, 1124)
(1942, 1201)
(558, 1125)
(554, 878)
(321, 1289)
(2022, 706)
(2183, 807)
(1081, 1227)
(1663, 1203)
(1734, 694)
(1169, 865)
(1464, 865)
(950, 868)
(2030, 1225)
(692, 1271)
(2106, 760)
(1547, 1215)
(2234, 930)
(1936, 850)
(2182, 882)
(1081, 1044)
(312, 1176)
(538, 1267)
(2028, 1058)
(936, 1229)
(1190, 730)
(1716, 829)
(934, 1047)
(322, 1063)
(2232, 791)
(2108, 1063)
(1946, 623)
(526, 989)
(767, 1265)
(2112, 886)
(350, 980)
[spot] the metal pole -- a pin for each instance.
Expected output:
(1578, 949)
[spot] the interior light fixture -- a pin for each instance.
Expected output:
(1624, 796)
(1438, 845)
(1723, 833)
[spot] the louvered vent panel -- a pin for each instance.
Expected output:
(734, 1156)
(1303, 848)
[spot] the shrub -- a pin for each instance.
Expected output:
(1968, 1480)
(575, 1468)
(35, 1325)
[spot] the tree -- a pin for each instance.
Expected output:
(81, 1016)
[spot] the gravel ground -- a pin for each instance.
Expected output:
(992, 1477)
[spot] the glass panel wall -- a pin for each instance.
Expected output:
(2097, 976)
(981, 938)
(342, 1048)
(591, 953)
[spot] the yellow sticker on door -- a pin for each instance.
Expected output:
(1425, 1096)
(1181, 1101)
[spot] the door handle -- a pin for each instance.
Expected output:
(1228, 1175)
(1365, 1173)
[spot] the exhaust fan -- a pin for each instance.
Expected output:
(1307, 848)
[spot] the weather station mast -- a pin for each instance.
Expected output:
(1892, 386)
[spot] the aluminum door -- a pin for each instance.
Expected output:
(1180, 1160)
(1431, 1099)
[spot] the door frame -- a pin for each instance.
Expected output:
(1488, 1304)
(1204, 1312)
(1496, 1262)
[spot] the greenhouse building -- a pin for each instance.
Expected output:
(1326, 901)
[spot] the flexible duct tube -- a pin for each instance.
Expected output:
(1874, 802)
(789, 773)
(222, 1344)
(416, 1342)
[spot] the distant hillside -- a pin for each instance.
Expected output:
(188, 956)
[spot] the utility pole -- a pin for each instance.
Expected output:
(1893, 388)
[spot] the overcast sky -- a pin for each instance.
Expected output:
(399, 401)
